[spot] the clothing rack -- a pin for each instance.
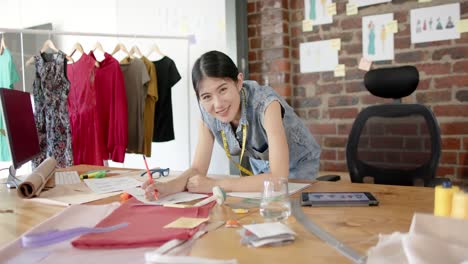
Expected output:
(189, 38)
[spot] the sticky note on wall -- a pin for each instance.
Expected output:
(307, 25)
(340, 70)
(365, 64)
(462, 26)
(336, 44)
(351, 9)
(331, 9)
(392, 26)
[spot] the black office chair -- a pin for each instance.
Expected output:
(394, 143)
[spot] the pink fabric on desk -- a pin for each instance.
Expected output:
(146, 226)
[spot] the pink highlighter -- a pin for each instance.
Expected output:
(150, 178)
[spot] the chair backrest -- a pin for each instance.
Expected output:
(394, 143)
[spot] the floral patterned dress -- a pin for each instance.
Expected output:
(50, 90)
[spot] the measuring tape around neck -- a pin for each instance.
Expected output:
(244, 140)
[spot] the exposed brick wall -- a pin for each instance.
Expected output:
(329, 105)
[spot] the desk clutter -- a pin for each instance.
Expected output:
(450, 201)
(134, 230)
(431, 239)
(40, 178)
(266, 234)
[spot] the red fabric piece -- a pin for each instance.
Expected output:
(88, 146)
(145, 226)
(112, 107)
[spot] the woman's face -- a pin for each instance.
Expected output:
(220, 97)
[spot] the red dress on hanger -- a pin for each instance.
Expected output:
(112, 107)
(88, 145)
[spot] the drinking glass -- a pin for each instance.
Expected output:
(275, 204)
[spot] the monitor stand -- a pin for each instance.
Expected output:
(12, 181)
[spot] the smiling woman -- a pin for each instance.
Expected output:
(244, 118)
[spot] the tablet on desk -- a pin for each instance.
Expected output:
(338, 199)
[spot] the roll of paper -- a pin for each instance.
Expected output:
(35, 182)
(443, 200)
(460, 205)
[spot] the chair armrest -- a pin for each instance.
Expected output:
(329, 178)
(437, 181)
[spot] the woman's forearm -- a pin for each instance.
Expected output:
(179, 184)
(244, 184)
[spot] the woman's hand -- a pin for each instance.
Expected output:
(163, 188)
(200, 184)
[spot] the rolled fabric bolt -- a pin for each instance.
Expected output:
(218, 195)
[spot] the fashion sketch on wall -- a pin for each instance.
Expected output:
(435, 23)
(318, 56)
(377, 42)
(360, 3)
(316, 10)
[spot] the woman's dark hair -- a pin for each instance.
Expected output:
(213, 64)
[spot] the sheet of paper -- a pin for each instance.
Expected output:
(186, 222)
(361, 3)
(317, 11)
(292, 188)
(269, 229)
(435, 23)
(181, 197)
(377, 42)
(67, 177)
(307, 25)
(112, 184)
(29, 257)
(69, 194)
(317, 56)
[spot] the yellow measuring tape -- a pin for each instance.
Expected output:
(226, 149)
(244, 140)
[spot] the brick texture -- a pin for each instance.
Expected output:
(329, 105)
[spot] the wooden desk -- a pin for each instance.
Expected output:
(358, 227)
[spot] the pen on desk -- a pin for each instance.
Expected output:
(150, 178)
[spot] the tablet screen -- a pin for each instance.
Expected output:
(342, 196)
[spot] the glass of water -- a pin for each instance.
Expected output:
(275, 204)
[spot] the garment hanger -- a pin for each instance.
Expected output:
(136, 50)
(121, 47)
(2, 44)
(48, 44)
(98, 46)
(156, 50)
(77, 47)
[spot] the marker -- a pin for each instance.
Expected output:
(150, 178)
(93, 174)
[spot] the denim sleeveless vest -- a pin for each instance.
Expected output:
(304, 152)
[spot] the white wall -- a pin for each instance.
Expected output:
(204, 18)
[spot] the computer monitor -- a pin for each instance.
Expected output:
(20, 130)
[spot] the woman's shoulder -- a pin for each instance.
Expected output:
(255, 90)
